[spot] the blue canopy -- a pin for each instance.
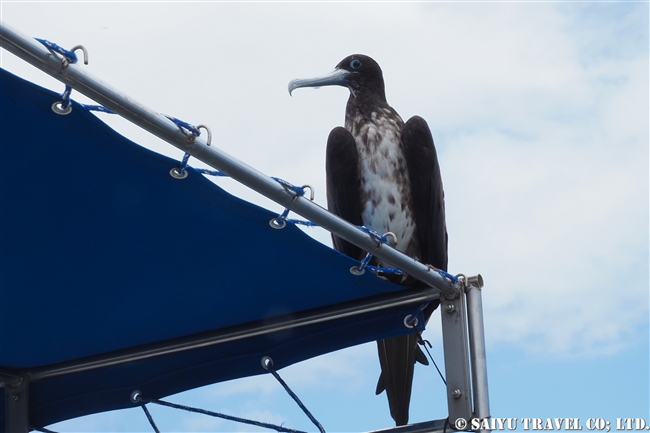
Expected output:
(115, 276)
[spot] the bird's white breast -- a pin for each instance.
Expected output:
(385, 186)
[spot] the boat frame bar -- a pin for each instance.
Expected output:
(461, 302)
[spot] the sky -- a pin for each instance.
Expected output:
(540, 115)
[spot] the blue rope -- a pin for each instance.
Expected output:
(150, 418)
(65, 97)
(385, 270)
(300, 191)
(375, 234)
(269, 367)
(302, 222)
(364, 263)
(453, 278)
(98, 108)
(186, 158)
(220, 415)
(54, 48)
(182, 125)
(211, 172)
(70, 57)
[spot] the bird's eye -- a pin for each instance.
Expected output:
(355, 64)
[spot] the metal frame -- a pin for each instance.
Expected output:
(461, 302)
(325, 314)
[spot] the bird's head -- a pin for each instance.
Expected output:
(359, 73)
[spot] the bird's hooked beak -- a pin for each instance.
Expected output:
(338, 77)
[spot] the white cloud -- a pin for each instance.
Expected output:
(348, 369)
(554, 201)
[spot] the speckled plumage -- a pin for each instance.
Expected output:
(383, 173)
(385, 189)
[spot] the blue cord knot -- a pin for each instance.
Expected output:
(281, 221)
(384, 270)
(191, 132)
(447, 275)
(298, 190)
(363, 264)
(378, 236)
(70, 56)
(211, 172)
(98, 108)
(67, 56)
(185, 127)
(65, 97)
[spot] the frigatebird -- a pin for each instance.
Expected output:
(383, 173)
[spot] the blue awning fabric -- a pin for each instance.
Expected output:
(102, 252)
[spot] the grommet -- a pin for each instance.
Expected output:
(278, 223)
(57, 107)
(135, 396)
(410, 321)
(267, 362)
(357, 270)
(178, 174)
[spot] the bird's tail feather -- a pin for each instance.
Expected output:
(397, 356)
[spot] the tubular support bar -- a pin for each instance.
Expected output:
(477, 348)
(73, 75)
(237, 333)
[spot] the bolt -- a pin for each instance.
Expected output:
(450, 308)
(457, 393)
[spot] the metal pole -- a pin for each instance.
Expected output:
(354, 308)
(73, 75)
(477, 347)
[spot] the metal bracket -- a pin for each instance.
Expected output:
(455, 344)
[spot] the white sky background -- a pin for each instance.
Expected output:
(539, 112)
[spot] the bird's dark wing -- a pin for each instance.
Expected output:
(343, 184)
(426, 192)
